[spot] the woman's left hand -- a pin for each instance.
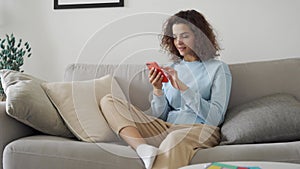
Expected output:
(173, 77)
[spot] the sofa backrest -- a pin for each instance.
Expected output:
(257, 79)
(249, 80)
(133, 79)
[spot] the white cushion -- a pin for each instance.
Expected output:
(78, 104)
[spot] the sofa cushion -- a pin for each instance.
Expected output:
(50, 152)
(28, 103)
(272, 118)
(78, 104)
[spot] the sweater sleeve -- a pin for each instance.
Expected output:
(160, 107)
(211, 111)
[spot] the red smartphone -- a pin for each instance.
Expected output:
(159, 69)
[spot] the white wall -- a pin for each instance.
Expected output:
(249, 30)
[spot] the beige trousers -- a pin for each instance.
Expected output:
(177, 143)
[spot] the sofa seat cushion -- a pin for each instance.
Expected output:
(278, 152)
(50, 152)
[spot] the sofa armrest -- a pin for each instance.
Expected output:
(10, 129)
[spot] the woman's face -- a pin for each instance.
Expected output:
(184, 39)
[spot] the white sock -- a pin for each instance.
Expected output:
(147, 153)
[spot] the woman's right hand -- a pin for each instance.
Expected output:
(155, 78)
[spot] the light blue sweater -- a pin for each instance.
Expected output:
(206, 99)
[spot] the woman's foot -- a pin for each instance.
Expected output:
(148, 154)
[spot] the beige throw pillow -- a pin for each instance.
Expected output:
(78, 104)
(28, 103)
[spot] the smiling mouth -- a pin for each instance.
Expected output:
(181, 48)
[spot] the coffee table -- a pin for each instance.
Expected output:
(261, 164)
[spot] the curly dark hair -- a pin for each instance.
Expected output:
(206, 45)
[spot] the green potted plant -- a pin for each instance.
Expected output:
(12, 54)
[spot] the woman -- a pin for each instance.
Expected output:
(188, 109)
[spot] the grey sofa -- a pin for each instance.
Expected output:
(25, 148)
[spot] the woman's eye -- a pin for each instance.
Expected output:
(181, 37)
(185, 36)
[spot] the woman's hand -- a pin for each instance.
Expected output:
(173, 77)
(155, 78)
